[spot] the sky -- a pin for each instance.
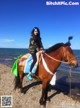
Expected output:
(56, 22)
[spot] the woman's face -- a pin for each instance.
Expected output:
(35, 32)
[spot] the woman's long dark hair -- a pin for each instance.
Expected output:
(32, 33)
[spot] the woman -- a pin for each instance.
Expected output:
(34, 46)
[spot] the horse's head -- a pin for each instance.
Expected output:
(69, 56)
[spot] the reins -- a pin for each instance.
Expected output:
(55, 59)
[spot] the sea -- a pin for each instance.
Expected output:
(9, 55)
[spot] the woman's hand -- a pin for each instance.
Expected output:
(41, 52)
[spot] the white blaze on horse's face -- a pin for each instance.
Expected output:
(69, 56)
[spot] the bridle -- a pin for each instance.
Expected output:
(57, 59)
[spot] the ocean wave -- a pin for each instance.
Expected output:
(15, 58)
(8, 59)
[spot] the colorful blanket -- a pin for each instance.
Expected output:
(28, 63)
(27, 66)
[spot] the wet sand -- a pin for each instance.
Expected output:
(58, 95)
(69, 83)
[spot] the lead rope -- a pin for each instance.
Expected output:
(56, 59)
(70, 79)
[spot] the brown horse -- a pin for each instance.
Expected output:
(60, 52)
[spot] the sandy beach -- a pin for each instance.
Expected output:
(30, 99)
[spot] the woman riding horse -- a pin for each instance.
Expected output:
(53, 56)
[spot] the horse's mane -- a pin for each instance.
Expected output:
(54, 47)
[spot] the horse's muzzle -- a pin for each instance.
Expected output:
(74, 64)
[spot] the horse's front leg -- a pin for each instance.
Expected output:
(44, 93)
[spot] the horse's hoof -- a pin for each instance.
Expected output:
(42, 102)
(42, 106)
(23, 91)
(48, 99)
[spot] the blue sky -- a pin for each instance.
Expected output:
(56, 23)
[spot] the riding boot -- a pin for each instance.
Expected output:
(29, 77)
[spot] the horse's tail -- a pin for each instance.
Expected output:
(16, 81)
(15, 71)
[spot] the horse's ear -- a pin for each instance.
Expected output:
(69, 38)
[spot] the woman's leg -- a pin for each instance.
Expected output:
(34, 61)
(31, 66)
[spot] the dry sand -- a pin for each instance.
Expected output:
(33, 94)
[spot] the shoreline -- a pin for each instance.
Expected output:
(32, 96)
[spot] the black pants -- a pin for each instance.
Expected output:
(34, 61)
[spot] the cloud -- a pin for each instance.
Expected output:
(6, 40)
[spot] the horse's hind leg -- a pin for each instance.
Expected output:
(44, 93)
(17, 82)
(21, 80)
